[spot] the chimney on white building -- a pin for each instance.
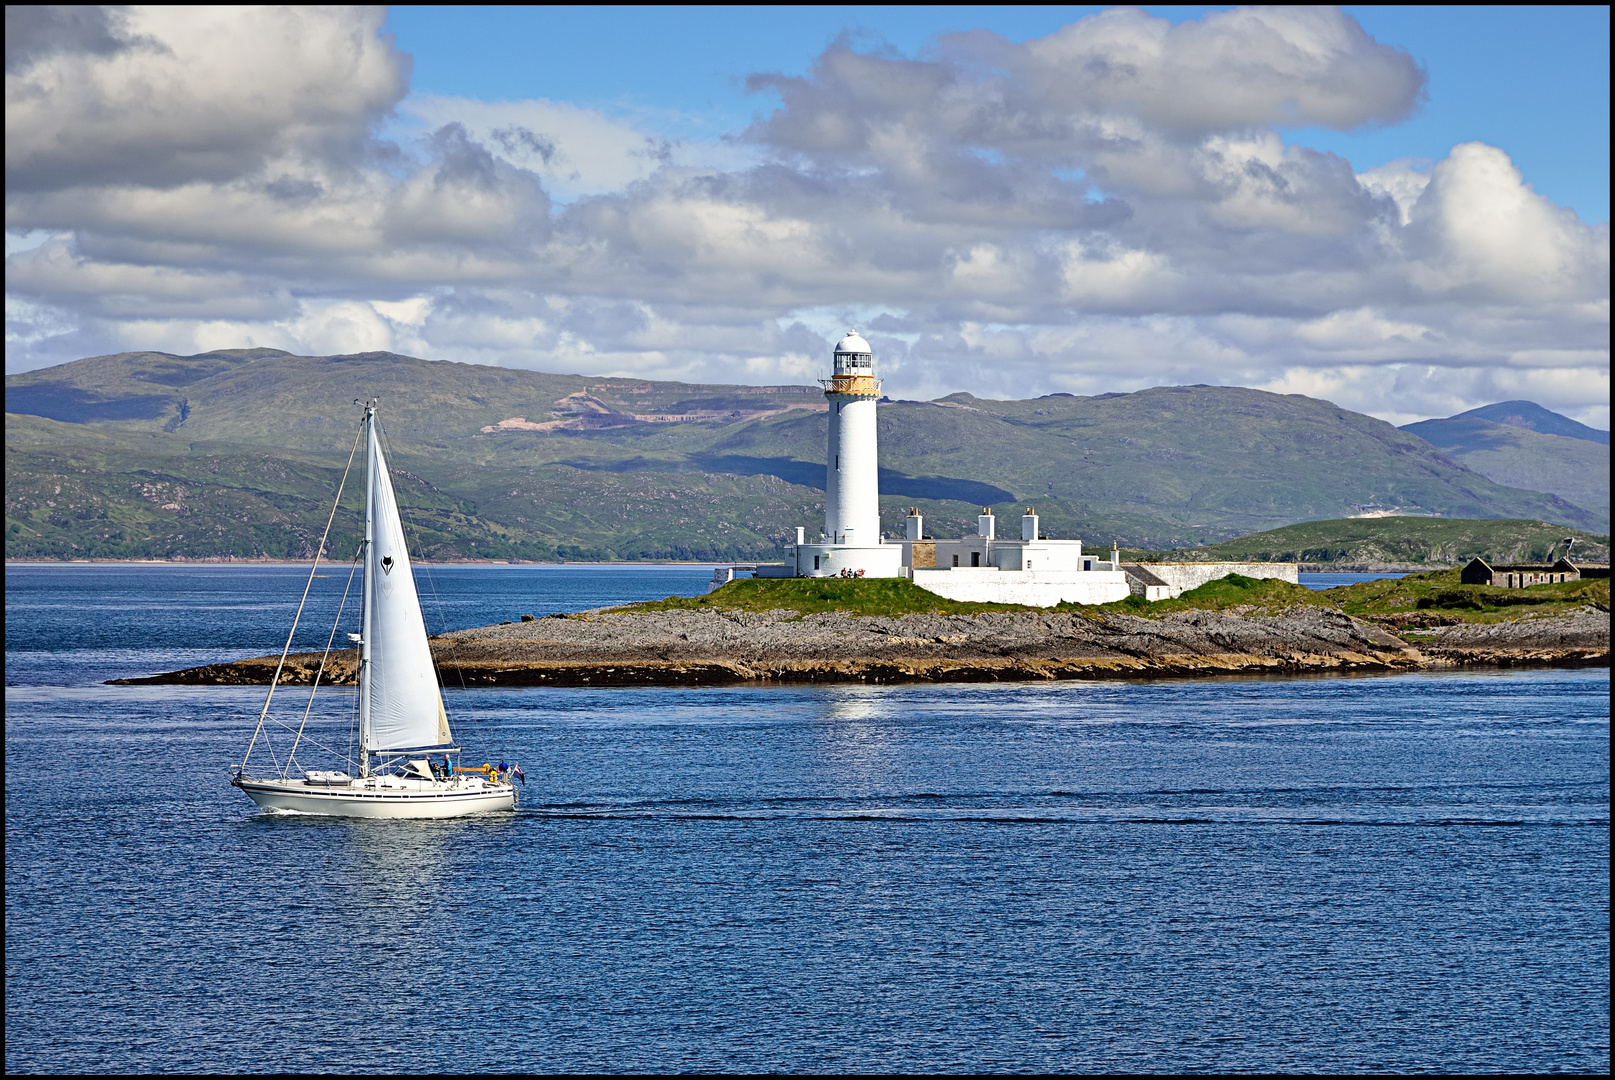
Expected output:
(1115, 556)
(915, 525)
(1029, 524)
(986, 524)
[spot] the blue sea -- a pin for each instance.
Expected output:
(1329, 580)
(1405, 874)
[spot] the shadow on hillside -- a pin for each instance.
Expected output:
(811, 475)
(71, 405)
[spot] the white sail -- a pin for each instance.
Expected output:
(403, 706)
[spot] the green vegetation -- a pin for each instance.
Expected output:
(1440, 597)
(1419, 599)
(1427, 599)
(858, 596)
(1432, 598)
(1233, 591)
(120, 496)
(236, 453)
(1395, 541)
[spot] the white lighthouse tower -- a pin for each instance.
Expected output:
(851, 545)
(852, 485)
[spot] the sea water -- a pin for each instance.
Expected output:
(1333, 874)
(1329, 580)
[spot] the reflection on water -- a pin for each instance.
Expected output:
(850, 704)
(856, 733)
(396, 868)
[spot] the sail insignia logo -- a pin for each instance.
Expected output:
(387, 565)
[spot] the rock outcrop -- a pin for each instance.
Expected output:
(712, 647)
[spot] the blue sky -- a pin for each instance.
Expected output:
(1402, 210)
(1533, 80)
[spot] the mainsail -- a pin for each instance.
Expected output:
(400, 704)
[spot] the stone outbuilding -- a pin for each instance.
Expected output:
(1521, 575)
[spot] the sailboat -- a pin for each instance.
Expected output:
(403, 728)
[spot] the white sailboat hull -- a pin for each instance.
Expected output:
(358, 800)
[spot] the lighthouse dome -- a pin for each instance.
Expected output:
(852, 343)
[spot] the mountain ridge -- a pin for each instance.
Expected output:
(1533, 417)
(1520, 444)
(613, 467)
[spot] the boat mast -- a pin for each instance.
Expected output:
(364, 633)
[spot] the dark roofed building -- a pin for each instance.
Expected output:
(1520, 575)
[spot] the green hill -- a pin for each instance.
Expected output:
(1533, 417)
(1575, 468)
(237, 452)
(1390, 542)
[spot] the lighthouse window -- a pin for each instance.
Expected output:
(838, 463)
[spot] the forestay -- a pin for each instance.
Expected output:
(404, 707)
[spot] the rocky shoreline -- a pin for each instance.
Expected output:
(703, 648)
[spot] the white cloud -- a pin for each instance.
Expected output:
(1402, 181)
(1361, 329)
(1103, 209)
(411, 312)
(1484, 233)
(1232, 69)
(576, 151)
(1115, 278)
(172, 94)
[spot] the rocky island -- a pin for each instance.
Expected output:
(888, 631)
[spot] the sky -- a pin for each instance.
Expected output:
(1402, 210)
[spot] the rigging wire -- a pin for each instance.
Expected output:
(318, 551)
(353, 728)
(312, 690)
(310, 739)
(273, 760)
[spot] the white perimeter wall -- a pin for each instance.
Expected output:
(1185, 576)
(1033, 589)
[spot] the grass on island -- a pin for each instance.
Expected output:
(860, 596)
(1438, 596)
(1233, 591)
(1430, 598)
